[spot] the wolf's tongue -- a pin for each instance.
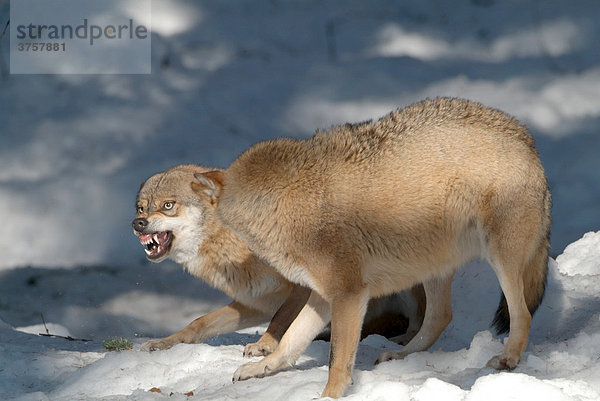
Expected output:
(162, 237)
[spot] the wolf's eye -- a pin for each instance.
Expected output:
(140, 209)
(168, 205)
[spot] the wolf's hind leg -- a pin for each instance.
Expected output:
(438, 313)
(511, 282)
(415, 311)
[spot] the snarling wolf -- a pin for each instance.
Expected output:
(176, 220)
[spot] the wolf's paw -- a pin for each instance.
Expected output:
(251, 369)
(260, 348)
(388, 356)
(336, 385)
(503, 362)
(157, 345)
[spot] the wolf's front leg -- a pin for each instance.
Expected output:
(280, 323)
(313, 317)
(234, 316)
(347, 314)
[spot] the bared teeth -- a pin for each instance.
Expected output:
(155, 250)
(150, 239)
(155, 244)
(145, 239)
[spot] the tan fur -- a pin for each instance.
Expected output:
(221, 258)
(364, 210)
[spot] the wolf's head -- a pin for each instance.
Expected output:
(171, 216)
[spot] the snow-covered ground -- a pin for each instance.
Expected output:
(562, 361)
(74, 150)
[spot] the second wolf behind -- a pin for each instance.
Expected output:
(176, 220)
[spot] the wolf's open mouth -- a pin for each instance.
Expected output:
(157, 244)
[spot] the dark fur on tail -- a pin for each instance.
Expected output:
(534, 284)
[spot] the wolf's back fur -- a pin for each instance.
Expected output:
(424, 186)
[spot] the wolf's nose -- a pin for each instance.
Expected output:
(139, 224)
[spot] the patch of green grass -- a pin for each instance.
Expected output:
(117, 344)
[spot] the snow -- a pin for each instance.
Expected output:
(225, 75)
(562, 361)
(581, 257)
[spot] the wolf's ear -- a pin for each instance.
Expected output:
(209, 183)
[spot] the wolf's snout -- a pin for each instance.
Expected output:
(139, 224)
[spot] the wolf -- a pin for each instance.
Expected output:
(363, 210)
(173, 220)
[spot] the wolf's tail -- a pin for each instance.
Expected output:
(534, 286)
